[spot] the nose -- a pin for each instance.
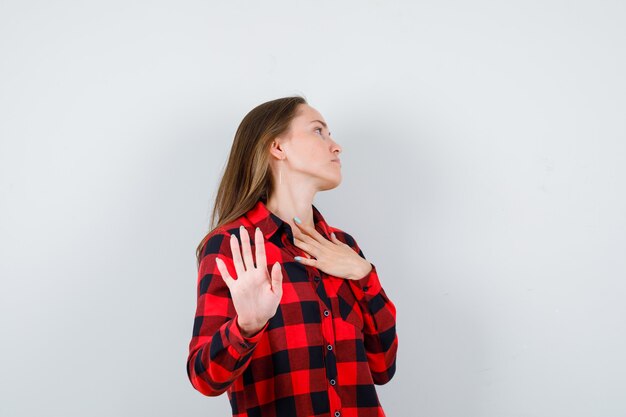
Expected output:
(336, 148)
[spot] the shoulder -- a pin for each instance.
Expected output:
(217, 242)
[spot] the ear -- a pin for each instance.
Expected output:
(276, 149)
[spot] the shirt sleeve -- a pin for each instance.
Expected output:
(379, 321)
(218, 352)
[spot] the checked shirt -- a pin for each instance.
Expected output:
(329, 343)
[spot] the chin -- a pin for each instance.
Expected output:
(329, 185)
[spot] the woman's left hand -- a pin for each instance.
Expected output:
(331, 256)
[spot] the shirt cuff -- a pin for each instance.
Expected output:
(241, 343)
(368, 286)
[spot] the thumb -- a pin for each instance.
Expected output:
(277, 278)
(228, 280)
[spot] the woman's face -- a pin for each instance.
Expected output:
(309, 150)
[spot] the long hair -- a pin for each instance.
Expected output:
(247, 176)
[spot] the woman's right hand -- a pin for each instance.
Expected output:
(256, 295)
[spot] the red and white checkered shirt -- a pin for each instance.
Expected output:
(330, 341)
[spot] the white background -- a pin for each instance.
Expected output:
(484, 150)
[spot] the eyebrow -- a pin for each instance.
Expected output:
(323, 124)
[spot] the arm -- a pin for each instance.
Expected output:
(218, 351)
(379, 317)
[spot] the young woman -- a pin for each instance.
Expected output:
(291, 318)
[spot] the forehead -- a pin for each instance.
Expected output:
(306, 114)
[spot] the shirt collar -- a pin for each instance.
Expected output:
(260, 216)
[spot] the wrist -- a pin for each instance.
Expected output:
(363, 271)
(247, 329)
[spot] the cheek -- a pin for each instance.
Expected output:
(312, 153)
(319, 156)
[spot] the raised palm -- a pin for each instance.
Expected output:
(256, 294)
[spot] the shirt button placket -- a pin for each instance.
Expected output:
(328, 333)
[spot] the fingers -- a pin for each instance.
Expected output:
(334, 239)
(309, 249)
(307, 261)
(312, 245)
(310, 233)
(259, 245)
(224, 272)
(246, 249)
(277, 278)
(234, 248)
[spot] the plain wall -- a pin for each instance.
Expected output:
(484, 150)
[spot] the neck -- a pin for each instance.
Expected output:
(287, 202)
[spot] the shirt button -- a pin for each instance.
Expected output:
(326, 313)
(243, 344)
(329, 347)
(317, 279)
(365, 288)
(337, 413)
(332, 382)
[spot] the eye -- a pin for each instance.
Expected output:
(318, 128)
